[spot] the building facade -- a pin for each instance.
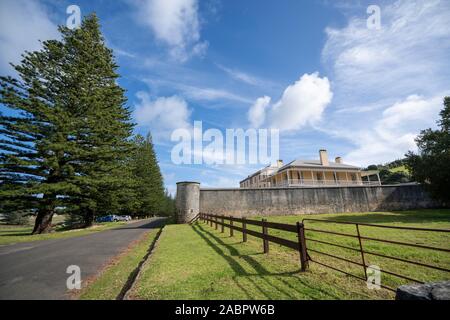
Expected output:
(311, 173)
(259, 179)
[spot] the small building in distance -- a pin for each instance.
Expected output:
(310, 173)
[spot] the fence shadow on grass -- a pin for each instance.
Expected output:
(261, 273)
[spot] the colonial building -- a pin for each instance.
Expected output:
(259, 179)
(310, 173)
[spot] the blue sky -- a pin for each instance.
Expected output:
(311, 68)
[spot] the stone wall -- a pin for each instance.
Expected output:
(286, 201)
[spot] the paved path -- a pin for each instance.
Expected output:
(37, 270)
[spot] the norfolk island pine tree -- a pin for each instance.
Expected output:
(66, 142)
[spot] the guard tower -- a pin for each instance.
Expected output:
(187, 201)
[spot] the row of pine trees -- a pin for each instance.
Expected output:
(67, 144)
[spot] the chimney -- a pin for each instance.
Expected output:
(279, 163)
(324, 157)
(338, 160)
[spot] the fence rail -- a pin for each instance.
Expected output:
(316, 183)
(302, 244)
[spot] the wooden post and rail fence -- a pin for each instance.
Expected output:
(301, 245)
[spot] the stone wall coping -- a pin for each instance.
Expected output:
(321, 187)
(188, 182)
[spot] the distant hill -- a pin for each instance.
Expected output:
(401, 168)
(393, 172)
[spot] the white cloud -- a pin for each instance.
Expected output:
(198, 93)
(374, 70)
(225, 176)
(22, 24)
(257, 112)
(242, 76)
(207, 94)
(411, 46)
(124, 53)
(302, 103)
(221, 182)
(176, 23)
(162, 115)
(391, 136)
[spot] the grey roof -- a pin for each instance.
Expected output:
(316, 163)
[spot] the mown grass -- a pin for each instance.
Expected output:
(109, 284)
(14, 234)
(199, 262)
(433, 219)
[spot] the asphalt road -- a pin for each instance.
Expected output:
(37, 270)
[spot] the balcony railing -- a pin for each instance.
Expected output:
(322, 183)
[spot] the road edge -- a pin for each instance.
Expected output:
(136, 274)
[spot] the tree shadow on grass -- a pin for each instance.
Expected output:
(15, 233)
(236, 266)
(411, 216)
(261, 273)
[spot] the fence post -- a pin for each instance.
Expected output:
(216, 218)
(302, 246)
(222, 229)
(265, 241)
(244, 230)
(362, 251)
(231, 226)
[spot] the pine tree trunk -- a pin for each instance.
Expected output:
(43, 223)
(89, 219)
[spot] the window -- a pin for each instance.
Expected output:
(353, 177)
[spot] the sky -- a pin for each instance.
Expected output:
(327, 74)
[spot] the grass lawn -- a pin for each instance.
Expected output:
(199, 262)
(13, 234)
(113, 279)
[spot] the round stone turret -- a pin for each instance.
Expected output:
(187, 201)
